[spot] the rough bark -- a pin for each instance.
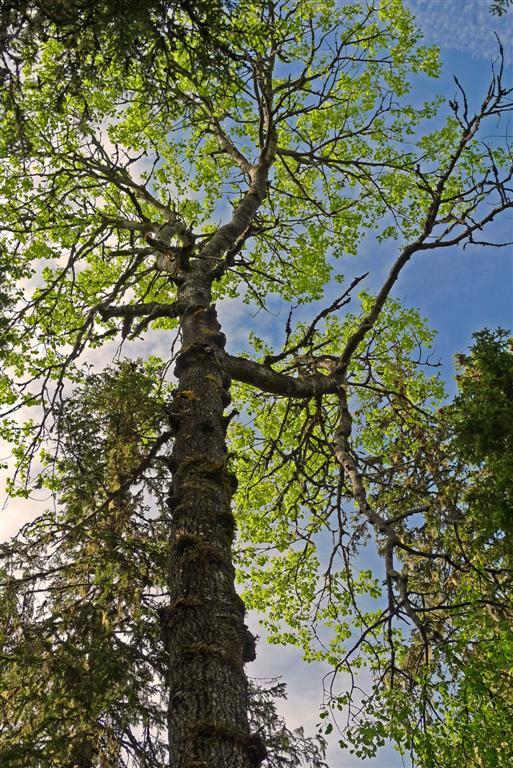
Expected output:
(207, 639)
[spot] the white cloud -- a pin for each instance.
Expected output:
(236, 319)
(466, 26)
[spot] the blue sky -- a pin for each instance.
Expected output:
(462, 291)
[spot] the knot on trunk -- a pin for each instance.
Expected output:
(255, 749)
(189, 355)
(252, 743)
(195, 547)
(249, 645)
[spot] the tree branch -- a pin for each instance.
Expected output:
(153, 309)
(275, 383)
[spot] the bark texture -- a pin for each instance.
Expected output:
(207, 639)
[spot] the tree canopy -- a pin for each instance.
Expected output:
(151, 170)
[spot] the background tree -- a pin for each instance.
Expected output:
(149, 196)
(95, 35)
(482, 422)
(81, 590)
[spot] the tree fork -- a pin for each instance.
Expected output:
(207, 640)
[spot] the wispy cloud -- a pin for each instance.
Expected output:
(466, 26)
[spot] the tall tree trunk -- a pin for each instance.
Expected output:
(207, 639)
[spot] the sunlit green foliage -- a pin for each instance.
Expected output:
(294, 508)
